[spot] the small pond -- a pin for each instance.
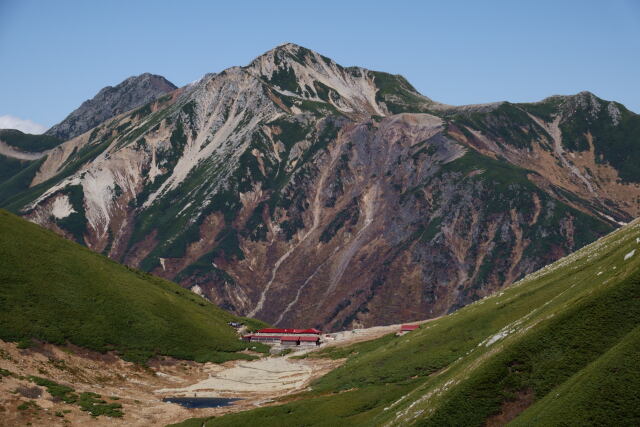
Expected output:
(201, 402)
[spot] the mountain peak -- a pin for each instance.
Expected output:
(586, 102)
(289, 47)
(283, 55)
(110, 101)
(305, 75)
(148, 78)
(582, 94)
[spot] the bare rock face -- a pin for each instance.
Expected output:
(111, 101)
(302, 192)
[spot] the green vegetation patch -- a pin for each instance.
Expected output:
(87, 401)
(499, 173)
(17, 179)
(398, 94)
(57, 291)
(508, 123)
(285, 78)
(590, 397)
(616, 144)
(76, 222)
(546, 358)
(10, 167)
(28, 142)
(546, 110)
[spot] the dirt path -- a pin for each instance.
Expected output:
(345, 338)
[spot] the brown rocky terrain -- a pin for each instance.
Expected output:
(302, 192)
(139, 390)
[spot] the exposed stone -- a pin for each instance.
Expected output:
(111, 101)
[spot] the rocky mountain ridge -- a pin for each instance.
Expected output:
(111, 101)
(299, 191)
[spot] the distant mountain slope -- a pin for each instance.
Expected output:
(300, 191)
(559, 347)
(586, 148)
(28, 142)
(20, 157)
(111, 101)
(57, 291)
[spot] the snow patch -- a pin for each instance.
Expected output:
(629, 255)
(61, 207)
(496, 337)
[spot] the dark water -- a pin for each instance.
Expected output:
(200, 402)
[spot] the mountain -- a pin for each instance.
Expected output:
(110, 102)
(26, 142)
(20, 151)
(59, 292)
(560, 347)
(303, 192)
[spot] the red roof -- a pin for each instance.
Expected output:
(409, 327)
(288, 331)
(290, 338)
(272, 337)
(313, 339)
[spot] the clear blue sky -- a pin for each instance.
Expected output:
(55, 54)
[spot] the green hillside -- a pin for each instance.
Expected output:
(57, 291)
(29, 142)
(560, 347)
(15, 174)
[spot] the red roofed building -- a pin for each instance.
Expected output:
(289, 341)
(311, 331)
(407, 328)
(263, 338)
(286, 337)
(309, 340)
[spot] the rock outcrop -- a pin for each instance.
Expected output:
(111, 101)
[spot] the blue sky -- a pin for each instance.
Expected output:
(56, 54)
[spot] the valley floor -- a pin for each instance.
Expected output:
(140, 390)
(260, 381)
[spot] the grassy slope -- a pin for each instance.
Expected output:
(16, 175)
(29, 142)
(9, 167)
(565, 336)
(608, 386)
(58, 291)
